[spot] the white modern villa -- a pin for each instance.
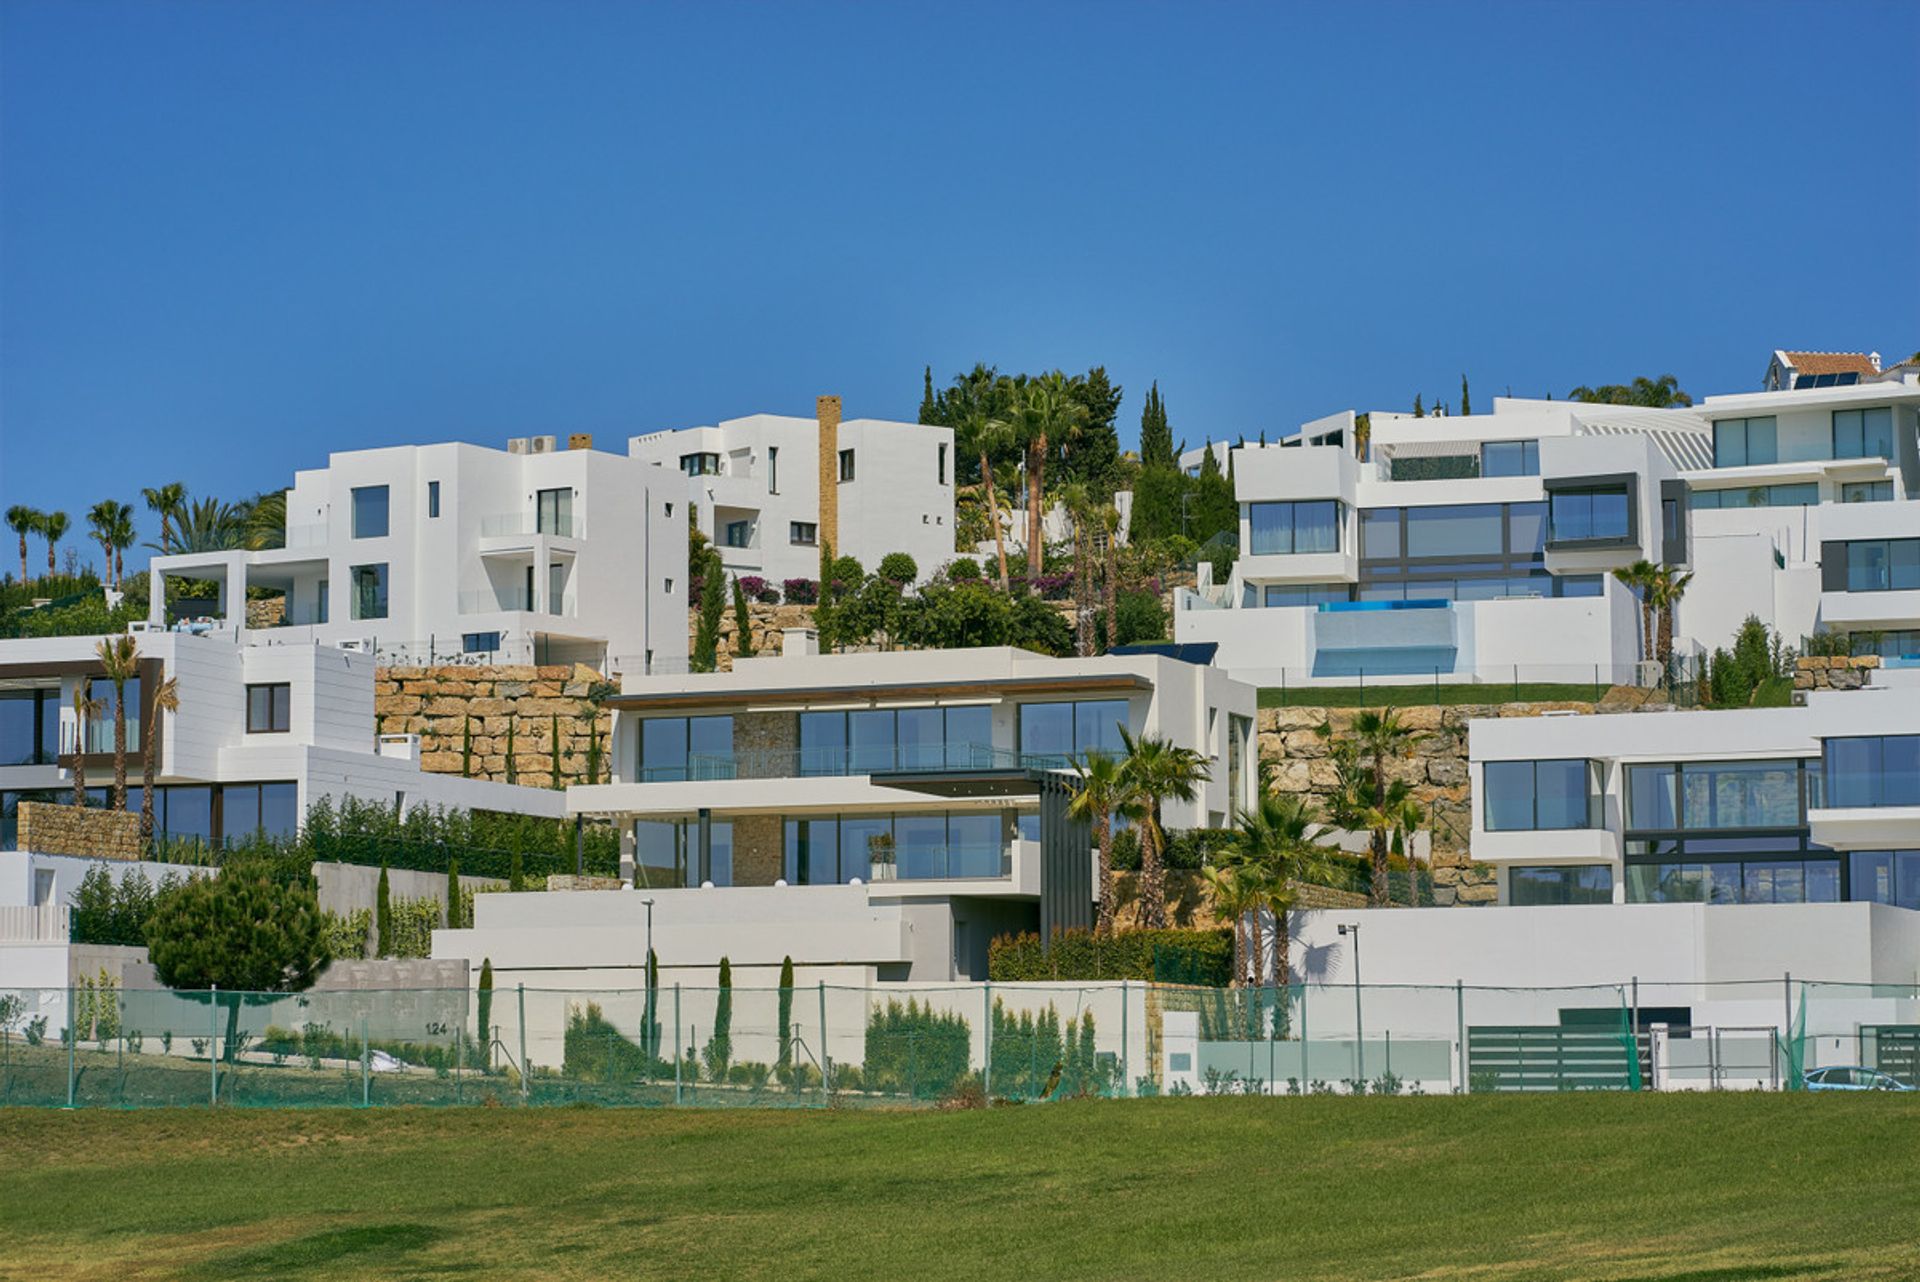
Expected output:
(889, 813)
(1482, 547)
(455, 552)
(770, 489)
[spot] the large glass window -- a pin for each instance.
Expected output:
(700, 464)
(1281, 528)
(1866, 491)
(369, 583)
(369, 511)
(1526, 796)
(1743, 442)
(1875, 770)
(678, 748)
(100, 725)
(914, 846)
(29, 727)
(1714, 794)
(1864, 433)
(866, 847)
(1284, 594)
(270, 708)
(1589, 514)
(553, 512)
(1466, 530)
(867, 740)
(667, 852)
(1801, 494)
(1756, 881)
(1380, 533)
(1885, 877)
(1067, 730)
(1510, 458)
(1883, 565)
(255, 810)
(1574, 884)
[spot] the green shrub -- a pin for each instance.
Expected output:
(1169, 956)
(106, 912)
(963, 569)
(345, 935)
(596, 1051)
(414, 921)
(1028, 1047)
(914, 1050)
(899, 567)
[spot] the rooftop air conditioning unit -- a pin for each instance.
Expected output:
(517, 445)
(540, 445)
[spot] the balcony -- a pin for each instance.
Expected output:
(492, 601)
(967, 862)
(803, 763)
(526, 524)
(1384, 637)
(99, 737)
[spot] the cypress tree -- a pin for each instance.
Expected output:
(929, 407)
(466, 747)
(823, 604)
(516, 875)
(485, 1007)
(720, 1045)
(593, 750)
(556, 752)
(1212, 510)
(383, 914)
(513, 771)
(742, 622)
(455, 919)
(650, 1022)
(713, 603)
(1156, 437)
(1419, 410)
(786, 1013)
(1466, 401)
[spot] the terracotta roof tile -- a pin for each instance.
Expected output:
(1831, 363)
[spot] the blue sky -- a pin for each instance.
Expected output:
(235, 236)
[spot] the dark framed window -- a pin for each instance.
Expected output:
(1539, 796)
(941, 471)
(1283, 528)
(553, 512)
(1535, 885)
(369, 599)
(1284, 594)
(706, 463)
(1590, 514)
(1866, 491)
(369, 511)
(773, 469)
(1745, 442)
(433, 499)
(1864, 433)
(255, 810)
(875, 739)
(846, 465)
(479, 642)
(1884, 877)
(1799, 494)
(908, 846)
(1709, 795)
(1883, 565)
(30, 727)
(1871, 770)
(667, 853)
(270, 708)
(1510, 458)
(803, 534)
(739, 533)
(1069, 730)
(681, 748)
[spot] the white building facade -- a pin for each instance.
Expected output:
(456, 552)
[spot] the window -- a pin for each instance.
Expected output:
(369, 591)
(1758, 881)
(1578, 884)
(1380, 533)
(667, 853)
(553, 512)
(370, 512)
(433, 500)
(941, 476)
(1510, 458)
(1884, 877)
(320, 605)
(1281, 594)
(1067, 730)
(1671, 526)
(681, 748)
(257, 810)
(29, 727)
(1529, 796)
(701, 464)
(773, 470)
(1700, 795)
(1863, 433)
(1474, 529)
(1745, 442)
(739, 534)
(916, 846)
(1883, 565)
(1590, 514)
(803, 534)
(1806, 494)
(1874, 770)
(846, 465)
(1894, 643)
(479, 642)
(1866, 492)
(269, 708)
(1281, 528)
(860, 742)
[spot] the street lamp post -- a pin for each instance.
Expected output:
(1359, 1038)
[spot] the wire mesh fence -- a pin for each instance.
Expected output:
(895, 1045)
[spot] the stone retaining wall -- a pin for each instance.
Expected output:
(444, 705)
(1838, 672)
(48, 829)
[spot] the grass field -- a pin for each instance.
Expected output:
(1387, 695)
(1700, 1188)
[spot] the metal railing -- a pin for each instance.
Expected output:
(799, 763)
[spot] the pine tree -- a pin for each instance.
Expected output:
(713, 604)
(1419, 410)
(742, 622)
(383, 914)
(484, 1007)
(1156, 437)
(455, 920)
(1212, 509)
(929, 406)
(786, 1013)
(1466, 400)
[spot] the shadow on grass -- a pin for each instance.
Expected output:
(1744, 1273)
(318, 1249)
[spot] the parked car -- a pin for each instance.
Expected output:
(1853, 1077)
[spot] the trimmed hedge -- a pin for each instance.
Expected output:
(1168, 956)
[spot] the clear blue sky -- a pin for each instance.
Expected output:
(235, 236)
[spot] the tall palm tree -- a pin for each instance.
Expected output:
(1665, 587)
(264, 520)
(121, 662)
(85, 709)
(1637, 578)
(1408, 818)
(205, 525)
(166, 501)
(23, 520)
(1048, 410)
(1235, 893)
(977, 423)
(1157, 771)
(1365, 797)
(1079, 511)
(166, 698)
(53, 528)
(121, 537)
(1110, 585)
(100, 519)
(1281, 836)
(1101, 794)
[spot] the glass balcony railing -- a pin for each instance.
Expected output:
(970, 861)
(800, 763)
(493, 601)
(561, 525)
(99, 736)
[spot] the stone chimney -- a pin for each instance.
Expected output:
(826, 409)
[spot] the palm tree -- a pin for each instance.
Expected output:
(99, 527)
(975, 422)
(1364, 797)
(1047, 410)
(264, 524)
(1079, 509)
(23, 520)
(1110, 585)
(121, 536)
(53, 528)
(1157, 771)
(166, 698)
(1408, 818)
(1280, 836)
(165, 500)
(121, 662)
(1101, 794)
(1637, 578)
(85, 709)
(1664, 589)
(206, 525)
(1236, 895)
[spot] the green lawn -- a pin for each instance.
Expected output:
(1707, 1188)
(1415, 695)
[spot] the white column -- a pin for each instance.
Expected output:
(156, 598)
